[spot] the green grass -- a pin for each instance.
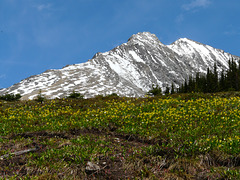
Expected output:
(188, 136)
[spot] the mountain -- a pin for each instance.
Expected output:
(128, 70)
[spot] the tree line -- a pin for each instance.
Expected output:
(211, 82)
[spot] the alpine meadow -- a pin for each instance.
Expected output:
(180, 136)
(143, 110)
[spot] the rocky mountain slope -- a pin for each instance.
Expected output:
(128, 70)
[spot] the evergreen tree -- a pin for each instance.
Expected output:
(208, 78)
(222, 82)
(215, 78)
(185, 87)
(172, 89)
(191, 84)
(232, 79)
(167, 91)
(197, 87)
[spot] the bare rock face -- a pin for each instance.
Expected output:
(127, 70)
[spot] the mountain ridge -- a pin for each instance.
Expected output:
(129, 69)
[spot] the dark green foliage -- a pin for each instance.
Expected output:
(232, 76)
(112, 95)
(10, 97)
(75, 95)
(172, 89)
(222, 82)
(40, 98)
(155, 91)
(211, 83)
(167, 91)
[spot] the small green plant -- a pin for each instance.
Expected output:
(75, 95)
(40, 98)
(155, 91)
(112, 95)
(167, 91)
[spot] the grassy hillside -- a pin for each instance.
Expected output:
(191, 136)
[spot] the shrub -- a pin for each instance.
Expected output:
(112, 95)
(75, 95)
(155, 91)
(40, 98)
(10, 97)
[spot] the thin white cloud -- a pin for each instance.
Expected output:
(232, 32)
(179, 18)
(41, 7)
(196, 4)
(2, 76)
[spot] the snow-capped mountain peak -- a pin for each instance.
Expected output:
(144, 37)
(193, 49)
(128, 70)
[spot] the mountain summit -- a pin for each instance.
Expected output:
(127, 70)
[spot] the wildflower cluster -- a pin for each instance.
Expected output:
(191, 126)
(71, 132)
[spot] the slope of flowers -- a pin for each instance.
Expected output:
(186, 127)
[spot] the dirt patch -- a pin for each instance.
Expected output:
(112, 166)
(40, 134)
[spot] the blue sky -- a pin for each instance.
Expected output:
(36, 35)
